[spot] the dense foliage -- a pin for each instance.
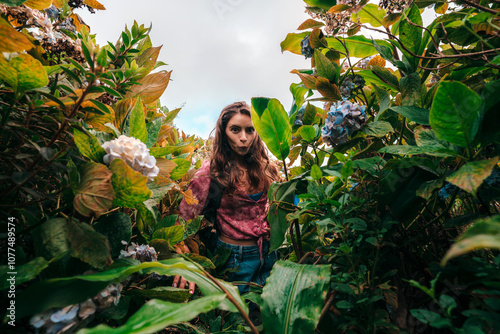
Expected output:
(388, 220)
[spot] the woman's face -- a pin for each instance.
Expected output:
(240, 133)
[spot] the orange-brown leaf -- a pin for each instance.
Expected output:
(338, 9)
(317, 40)
(308, 80)
(310, 23)
(166, 166)
(78, 22)
(95, 194)
(94, 4)
(328, 90)
(377, 61)
(151, 87)
(189, 197)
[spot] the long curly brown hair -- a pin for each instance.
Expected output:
(223, 164)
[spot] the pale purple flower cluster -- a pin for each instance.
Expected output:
(143, 253)
(71, 317)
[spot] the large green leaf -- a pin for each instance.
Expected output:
(308, 132)
(292, 42)
(372, 165)
(293, 297)
(324, 66)
(484, 233)
(437, 151)
(137, 122)
(409, 86)
(299, 91)
(378, 129)
(427, 138)
(60, 292)
(50, 239)
(88, 245)
(385, 76)
(155, 315)
(181, 169)
(24, 273)
(23, 72)
(372, 14)
(409, 34)
(358, 46)
(167, 293)
(130, 186)
(95, 194)
(274, 128)
(172, 234)
(279, 194)
(471, 175)
(117, 227)
(88, 145)
(454, 113)
(259, 104)
(415, 114)
(153, 129)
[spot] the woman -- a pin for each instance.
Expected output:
(240, 163)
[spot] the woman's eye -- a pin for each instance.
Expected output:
(250, 130)
(235, 130)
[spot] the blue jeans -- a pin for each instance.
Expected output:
(250, 267)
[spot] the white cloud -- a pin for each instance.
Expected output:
(220, 51)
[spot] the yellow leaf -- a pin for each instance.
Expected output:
(69, 100)
(78, 22)
(23, 72)
(94, 4)
(12, 40)
(189, 198)
(58, 3)
(97, 121)
(441, 8)
(377, 61)
(38, 4)
(187, 149)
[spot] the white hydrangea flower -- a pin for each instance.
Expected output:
(134, 153)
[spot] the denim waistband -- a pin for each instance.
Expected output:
(248, 250)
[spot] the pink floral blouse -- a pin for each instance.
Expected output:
(238, 216)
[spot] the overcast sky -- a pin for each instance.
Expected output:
(220, 51)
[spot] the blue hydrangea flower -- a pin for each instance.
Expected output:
(341, 121)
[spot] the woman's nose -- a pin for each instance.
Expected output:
(243, 137)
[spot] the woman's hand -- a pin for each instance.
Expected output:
(179, 281)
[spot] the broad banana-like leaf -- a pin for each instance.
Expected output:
(293, 297)
(274, 128)
(155, 315)
(60, 292)
(484, 233)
